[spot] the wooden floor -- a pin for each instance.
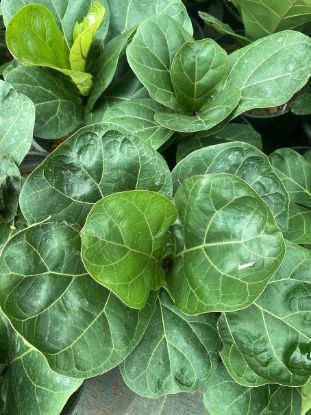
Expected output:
(108, 395)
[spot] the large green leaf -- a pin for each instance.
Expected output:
(16, 122)
(93, 163)
(231, 132)
(273, 75)
(223, 396)
(79, 326)
(106, 65)
(124, 242)
(10, 187)
(228, 245)
(180, 352)
(263, 17)
(66, 13)
(306, 398)
(133, 12)
(28, 385)
(58, 107)
(197, 69)
(244, 161)
(6, 232)
(137, 117)
(83, 36)
(32, 44)
(302, 104)
(295, 172)
(270, 341)
(216, 109)
(151, 53)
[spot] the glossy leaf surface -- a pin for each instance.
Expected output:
(28, 384)
(228, 245)
(57, 105)
(295, 172)
(223, 396)
(16, 123)
(42, 279)
(197, 69)
(137, 117)
(83, 36)
(93, 163)
(231, 132)
(174, 348)
(244, 161)
(151, 53)
(270, 70)
(10, 187)
(270, 341)
(123, 243)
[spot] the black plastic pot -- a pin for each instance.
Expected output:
(231, 16)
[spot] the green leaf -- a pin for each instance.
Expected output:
(174, 348)
(43, 280)
(223, 396)
(197, 69)
(151, 53)
(133, 12)
(244, 161)
(29, 42)
(10, 187)
(223, 28)
(6, 232)
(93, 163)
(271, 77)
(306, 397)
(83, 36)
(65, 12)
(16, 122)
(228, 245)
(270, 341)
(28, 385)
(230, 132)
(302, 104)
(137, 117)
(295, 172)
(106, 65)
(261, 18)
(217, 108)
(58, 107)
(123, 243)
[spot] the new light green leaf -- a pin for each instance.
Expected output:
(217, 108)
(17, 118)
(137, 117)
(197, 69)
(124, 242)
(229, 133)
(270, 341)
(263, 17)
(295, 172)
(133, 12)
(271, 70)
(174, 347)
(32, 44)
(95, 162)
(43, 280)
(58, 107)
(28, 385)
(228, 245)
(244, 161)
(223, 396)
(83, 36)
(10, 187)
(222, 27)
(151, 53)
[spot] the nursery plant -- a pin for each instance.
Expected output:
(195, 278)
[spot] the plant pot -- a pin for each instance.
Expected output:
(231, 16)
(306, 127)
(109, 395)
(72, 402)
